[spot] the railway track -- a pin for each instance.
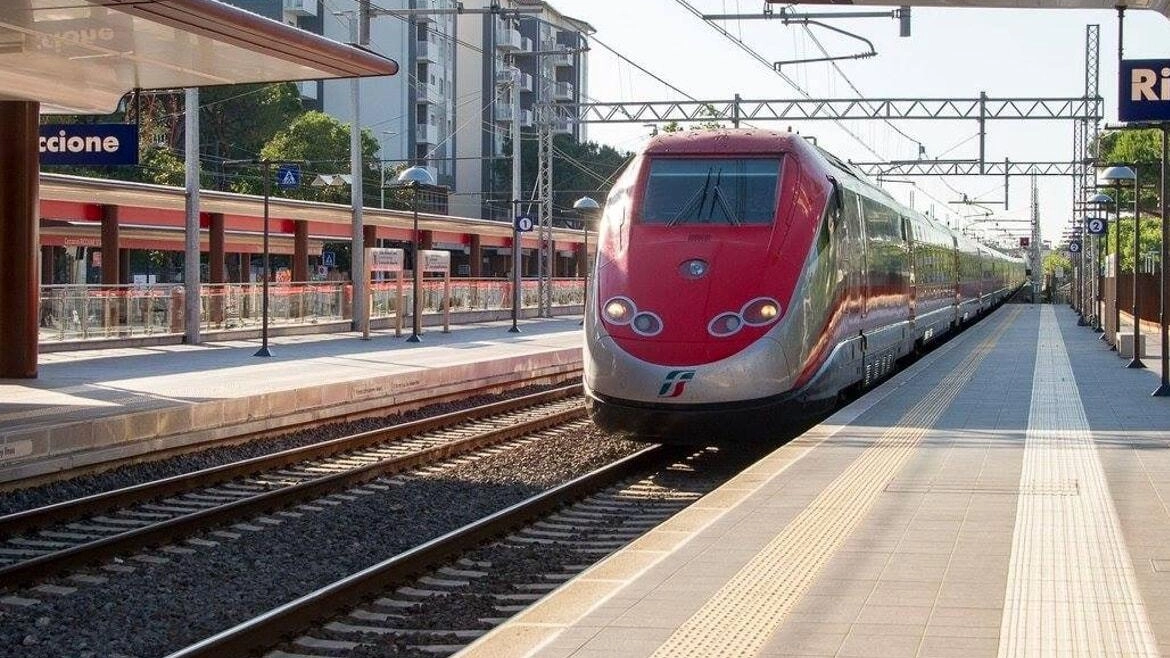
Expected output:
(477, 576)
(40, 542)
(279, 429)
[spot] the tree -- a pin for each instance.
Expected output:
(321, 143)
(1142, 149)
(1054, 260)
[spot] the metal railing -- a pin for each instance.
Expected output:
(81, 312)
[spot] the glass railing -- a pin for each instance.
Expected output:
(81, 312)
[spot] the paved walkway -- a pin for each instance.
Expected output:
(1005, 496)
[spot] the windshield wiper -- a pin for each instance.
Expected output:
(700, 195)
(717, 196)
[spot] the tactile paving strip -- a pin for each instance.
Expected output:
(740, 618)
(1071, 589)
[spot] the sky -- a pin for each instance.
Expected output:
(950, 53)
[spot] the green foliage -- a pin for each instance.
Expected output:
(1054, 260)
(162, 166)
(320, 144)
(1136, 148)
(1150, 240)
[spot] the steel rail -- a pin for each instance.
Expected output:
(277, 625)
(46, 565)
(48, 515)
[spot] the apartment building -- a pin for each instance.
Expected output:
(450, 107)
(548, 49)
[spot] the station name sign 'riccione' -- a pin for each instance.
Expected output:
(89, 144)
(1144, 91)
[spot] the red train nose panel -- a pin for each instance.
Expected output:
(656, 278)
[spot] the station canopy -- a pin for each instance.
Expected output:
(1161, 6)
(82, 56)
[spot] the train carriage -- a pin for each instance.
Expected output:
(746, 278)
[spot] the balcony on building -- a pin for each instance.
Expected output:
(507, 38)
(503, 111)
(426, 133)
(300, 7)
(563, 91)
(429, 93)
(504, 76)
(425, 51)
(562, 58)
(526, 83)
(526, 118)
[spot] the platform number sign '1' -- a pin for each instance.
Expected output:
(1074, 247)
(523, 224)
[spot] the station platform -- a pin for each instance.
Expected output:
(1004, 496)
(93, 406)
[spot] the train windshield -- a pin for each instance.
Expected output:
(735, 191)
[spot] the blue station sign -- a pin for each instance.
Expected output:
(89, 144)
(1144, 90)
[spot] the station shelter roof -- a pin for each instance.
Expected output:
(82, 56)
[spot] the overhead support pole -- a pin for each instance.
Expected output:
(191, 270)
(982, 130)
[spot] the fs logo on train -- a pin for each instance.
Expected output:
(675, 382)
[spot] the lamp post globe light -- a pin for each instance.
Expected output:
(586, 207)
(416, 177)
(1120, 175)
(1101, 201)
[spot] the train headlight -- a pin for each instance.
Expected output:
(619, 310)
(647, 324)
(725, 324)
(760, 311)
(696, 268)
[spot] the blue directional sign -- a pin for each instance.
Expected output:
(523, 224)
(1144, 90)
(1097, 225)
(288, 176)
(328, 259)
(89, 144)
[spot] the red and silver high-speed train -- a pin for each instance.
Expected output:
(747, 278)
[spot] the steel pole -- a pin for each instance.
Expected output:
(264, 351)
(1137, 317)
(1117, 276)
(517, 254)
(191, 278)
(416, 303)
(1163, 389)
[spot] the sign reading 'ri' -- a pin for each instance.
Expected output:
(1144, 90)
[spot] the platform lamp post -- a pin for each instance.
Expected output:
(586, 207)
(1119, 175)
(1101, 201)
(414, 178)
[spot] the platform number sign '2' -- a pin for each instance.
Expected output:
(1096, 226)
(1074, 247)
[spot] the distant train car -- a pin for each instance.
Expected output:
(745, 279)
